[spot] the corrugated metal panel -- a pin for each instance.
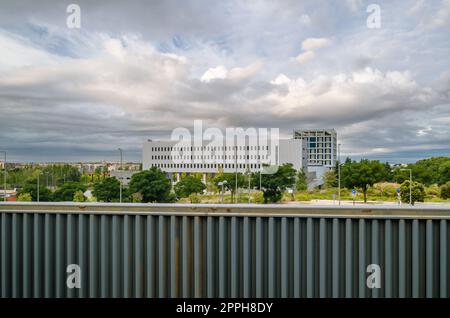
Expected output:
(193, 254)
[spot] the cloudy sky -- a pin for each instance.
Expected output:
(138, 69)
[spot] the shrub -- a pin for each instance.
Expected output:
(195, 198)
(24, 197)
(418, 192)
(445, 190)
(78, 196)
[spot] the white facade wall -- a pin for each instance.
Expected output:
(200, 159)
(321, 147)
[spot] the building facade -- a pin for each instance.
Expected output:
(210, 159)
(321, 147)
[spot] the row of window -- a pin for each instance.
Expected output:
(210, 148)
(319, 157)
(314, 151)
(225, 157)
(319, 145)
(205, 166)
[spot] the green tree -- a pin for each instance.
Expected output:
(66, 191)
(78, 196)
(153, 184)
(445, 190)
(417, 193)
(330, 179)
(24, 197)
(444, 173)
(188, 185)
(362, 174)
(302, 181)
(273, 185)
(30, 187)
(107, 190)
(389, 174)
(431, 170)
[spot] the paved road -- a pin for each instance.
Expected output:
(335, 202)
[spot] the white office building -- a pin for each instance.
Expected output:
(206, 158)
(321, 146)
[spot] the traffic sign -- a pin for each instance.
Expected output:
(353, 192)
(398, 190)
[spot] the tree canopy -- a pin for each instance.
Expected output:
(153, 185)
(189, 185)
(273, 185)
(417, 193)
(362, 174)
(45, 195)
(67, 191)
(107, 190)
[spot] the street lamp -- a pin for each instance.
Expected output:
(222, 183)
(4, 175)
(236, 171)
(410, 184)
(38, 185)
(339, 173)
(120, 178)
(249, 182)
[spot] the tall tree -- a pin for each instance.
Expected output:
(302, 181)
(153, 184)
(107, 190)
(30, 187)
(189, 185)
(330, 179)
(362, 174)
(66, 191)
(273, 185)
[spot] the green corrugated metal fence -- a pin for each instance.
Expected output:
(222, 251)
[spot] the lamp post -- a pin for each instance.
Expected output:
(39, 174)
(410, 184)
(120, 178)
(249, 181)
(236, 177)
(4, 175)
(339, 173)
(222, 183)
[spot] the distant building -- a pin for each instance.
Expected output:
(207, 159)
(123, 175)
(321, 145)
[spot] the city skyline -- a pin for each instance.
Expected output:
(134, 71)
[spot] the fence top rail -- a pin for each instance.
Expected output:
(267, 210)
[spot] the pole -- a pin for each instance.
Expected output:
(410, 186)
(120, 178)
(339, 173)
(4, 176)
(235, 177)
(38, 187)
(260, 174)
(249, 179)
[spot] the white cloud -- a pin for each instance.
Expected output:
(219, 72)
(237, 73)
(312, 44)
(305, 57)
